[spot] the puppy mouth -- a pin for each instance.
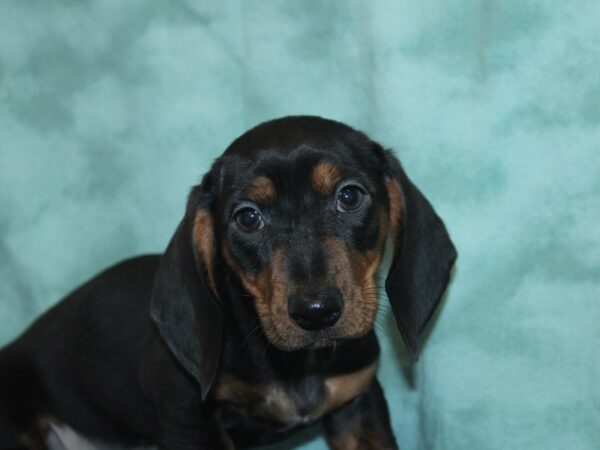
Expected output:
(308, 340)
(290, 337)
(323, 338)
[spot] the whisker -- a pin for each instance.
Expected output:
(248, 337)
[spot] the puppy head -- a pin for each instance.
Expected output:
(304, 217)
(298, 209)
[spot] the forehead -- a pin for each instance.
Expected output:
(299, 153)
(303, 168)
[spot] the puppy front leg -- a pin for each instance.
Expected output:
(361, 424)
(183, 420)
(178, 440)
(187, 424)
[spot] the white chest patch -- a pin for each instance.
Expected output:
(61, 437)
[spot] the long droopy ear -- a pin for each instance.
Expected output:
(422, 260)
(185, 302)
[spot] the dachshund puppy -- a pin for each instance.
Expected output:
(257, 321)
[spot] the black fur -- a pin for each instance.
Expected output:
(132, 355)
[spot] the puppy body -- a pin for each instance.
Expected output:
(257, 321)
(97, 362)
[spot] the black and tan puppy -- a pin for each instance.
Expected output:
(257, 321)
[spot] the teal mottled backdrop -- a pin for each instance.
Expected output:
(111, 110)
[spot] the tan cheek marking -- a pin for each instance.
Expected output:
(270, 292)
(354, 322)
(269, 289)
(262, 190)
(340, 258)
(267, 283)
(325, 177)
(204, 239)
(366, 264)
(343, 388)
(354, 276)
(257, 285)
(396, 207)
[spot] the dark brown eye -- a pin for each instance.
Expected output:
(249, 219)
(350, 198)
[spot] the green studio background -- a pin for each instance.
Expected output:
(111, 110)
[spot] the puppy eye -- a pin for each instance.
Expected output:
(350, 199)
(249, 219)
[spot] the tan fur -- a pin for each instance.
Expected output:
(396, 207)
(360, 439)
(325, 177)
(357, 317)
(351, 271)
(269, 289)
(262, 191)
(204, 240)
(346, 441)
(343, 388)
(272, 401)
(354, 274)
(266, 401)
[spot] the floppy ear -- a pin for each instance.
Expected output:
(423, 256)
(185, 302)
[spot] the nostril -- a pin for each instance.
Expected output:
(303, 321)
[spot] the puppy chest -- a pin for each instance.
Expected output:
(283, 405)
(287, 404)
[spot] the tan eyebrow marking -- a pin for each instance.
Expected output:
(325, 176)
(262, 190)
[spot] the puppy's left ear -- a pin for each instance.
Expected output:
(423, 256)
(185, 302)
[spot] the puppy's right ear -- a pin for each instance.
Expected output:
(185, 303)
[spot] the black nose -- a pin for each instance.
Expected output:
(315, 310)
